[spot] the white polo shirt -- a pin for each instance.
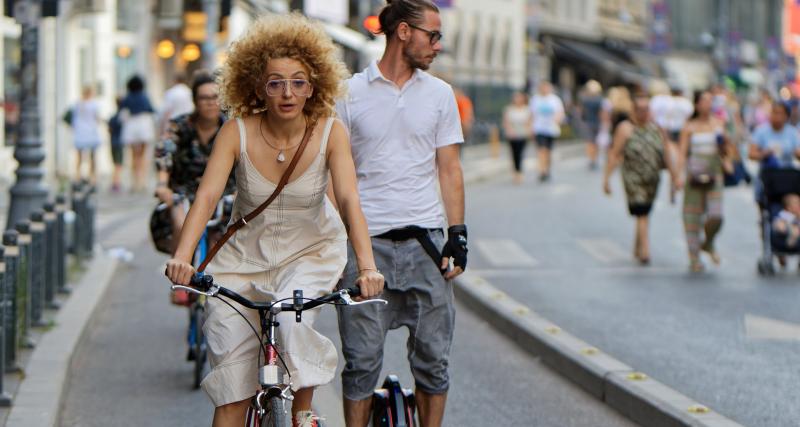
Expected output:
(394, 134)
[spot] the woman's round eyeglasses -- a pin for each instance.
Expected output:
(299, 87)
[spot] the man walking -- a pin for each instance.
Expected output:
(405, 131)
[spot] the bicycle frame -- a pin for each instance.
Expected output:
(269, 377)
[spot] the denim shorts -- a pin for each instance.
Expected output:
(419, 299)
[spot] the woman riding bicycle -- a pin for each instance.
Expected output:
(182, 153)
(280, 82)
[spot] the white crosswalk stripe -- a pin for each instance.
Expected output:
(603, 250)
(504, 253)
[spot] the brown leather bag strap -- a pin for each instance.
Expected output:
(241, 222)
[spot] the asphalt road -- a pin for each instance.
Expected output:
(129, 368)
(728, 337)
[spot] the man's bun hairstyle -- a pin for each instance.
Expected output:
(397, 11)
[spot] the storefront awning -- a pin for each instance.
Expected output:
(690, 73)
(599, 57)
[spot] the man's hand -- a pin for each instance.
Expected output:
(370, 282)
(456, 248)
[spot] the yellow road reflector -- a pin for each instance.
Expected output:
(498, 295)
(699, 409)
(590, 351)
(521, 311)
(553, 330)
(637, 376)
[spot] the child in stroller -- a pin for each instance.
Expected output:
(779, 202)
(786, 224)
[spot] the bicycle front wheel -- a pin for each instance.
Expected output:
(275, 415)
(199, 345)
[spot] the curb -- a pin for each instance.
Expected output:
(38, 400)
(633, 394)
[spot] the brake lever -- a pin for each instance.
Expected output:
(211, 292)
(349, 301)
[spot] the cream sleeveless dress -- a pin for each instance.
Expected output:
(298, 242)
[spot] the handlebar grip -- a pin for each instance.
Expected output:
(353, 291)
(202, 281)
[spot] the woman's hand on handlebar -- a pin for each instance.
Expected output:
(371, 283)
(179, 272)
(165, 194)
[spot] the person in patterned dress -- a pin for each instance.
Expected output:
(182, 153)
(639, 146)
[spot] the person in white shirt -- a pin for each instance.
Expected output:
(85, 122)
(177, 102)
(548, 114)
(404, 132)
(670, 111)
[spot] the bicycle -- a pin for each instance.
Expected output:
(267, 406)
(195, 339)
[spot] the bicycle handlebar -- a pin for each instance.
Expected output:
(204, 285)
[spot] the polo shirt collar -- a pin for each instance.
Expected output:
(374, 73)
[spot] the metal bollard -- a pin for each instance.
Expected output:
(9, 299)
(91, 213)
(51, 261)
(79, 231)
(37, 266)
(24, 284)
(5, 398)
(61, 245)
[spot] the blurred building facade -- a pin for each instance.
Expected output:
(572, 41)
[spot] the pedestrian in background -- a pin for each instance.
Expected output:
(86, 132)
(466, 112)
(704, 151)
(517, 122)
(403, 152)
(775, 144)
(548, 114)
(117, 149)
(670, 110)
(759, 109)
(640, 145)
(181, 154)
(591, 107)
(177, 102)
(138, 128)
(620, 105)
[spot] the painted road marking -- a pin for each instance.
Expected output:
(504, 253)
(562, 189)
(603, 250)
(764, 328)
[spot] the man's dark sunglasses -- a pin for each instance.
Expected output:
(435, 36)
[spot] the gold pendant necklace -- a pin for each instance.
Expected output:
(281, 158)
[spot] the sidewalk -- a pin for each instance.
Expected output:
(38, 389)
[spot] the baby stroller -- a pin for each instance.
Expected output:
(776, 183)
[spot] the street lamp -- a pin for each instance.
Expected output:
(28, 193)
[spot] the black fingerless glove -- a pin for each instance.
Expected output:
(456, 245)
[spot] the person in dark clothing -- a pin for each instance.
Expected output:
(181, 155)
(138, 127)
(115, 131)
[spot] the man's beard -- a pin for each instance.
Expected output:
(413, 61)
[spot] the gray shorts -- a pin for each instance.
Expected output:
(419, 299)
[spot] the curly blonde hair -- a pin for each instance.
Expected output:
(243, 77)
